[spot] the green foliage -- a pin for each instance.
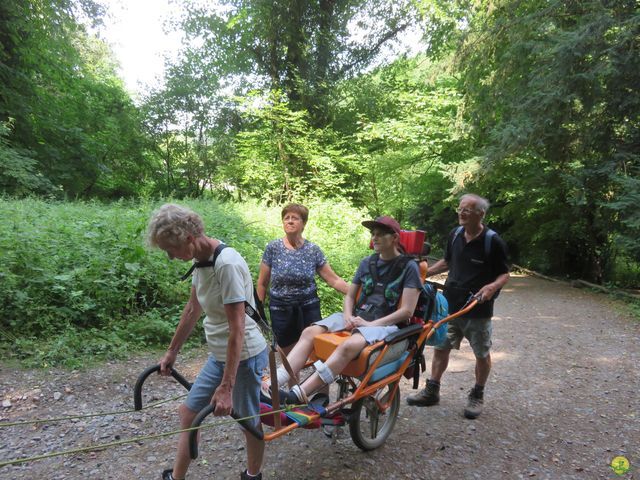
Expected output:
(551, 91)
(74, 269)
(71, 348)
(299, 48)
(18, 174)
(408, 136)
(73, 124)
(280, 156)
(282, 59)
(76, 280)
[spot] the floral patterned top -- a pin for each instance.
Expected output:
(293, 271)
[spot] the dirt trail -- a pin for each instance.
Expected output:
(561, 403)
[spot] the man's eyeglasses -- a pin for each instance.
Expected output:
(467, 210)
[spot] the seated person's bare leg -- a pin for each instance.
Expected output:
(298, 356)
(337, 361)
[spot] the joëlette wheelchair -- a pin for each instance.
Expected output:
(368, 395)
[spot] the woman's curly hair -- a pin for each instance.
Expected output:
(173, 223)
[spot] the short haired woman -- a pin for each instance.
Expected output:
(288, 269)
(232, 374)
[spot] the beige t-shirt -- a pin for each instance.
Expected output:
(228, 282)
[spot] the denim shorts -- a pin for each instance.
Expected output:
(335, 323)
(476, 330)
(246, 391)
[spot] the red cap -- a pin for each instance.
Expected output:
(385, 222)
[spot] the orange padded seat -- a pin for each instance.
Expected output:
(325, 343)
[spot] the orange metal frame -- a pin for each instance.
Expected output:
(364, 389)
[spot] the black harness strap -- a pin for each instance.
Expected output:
(257, 313)
(206, 263)
(373, 303)
(395, 268)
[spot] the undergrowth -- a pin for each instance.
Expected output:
(78, 284)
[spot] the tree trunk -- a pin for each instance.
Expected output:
(295, 68)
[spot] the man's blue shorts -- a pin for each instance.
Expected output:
(246, 391)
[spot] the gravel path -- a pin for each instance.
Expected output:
(561, 403)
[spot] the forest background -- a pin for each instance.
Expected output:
(533, 104)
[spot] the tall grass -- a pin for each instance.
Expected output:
(77, 282)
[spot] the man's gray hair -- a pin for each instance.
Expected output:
(173, 223)
(481, 203)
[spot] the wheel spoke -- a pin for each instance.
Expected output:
(373, 425)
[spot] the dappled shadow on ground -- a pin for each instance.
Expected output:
(561, 402)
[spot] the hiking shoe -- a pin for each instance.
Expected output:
(428, 396)
(320, 399)
(289, 397)
(245, 476)
(474, 405)
(168, 474)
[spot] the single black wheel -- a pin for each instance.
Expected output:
(369, 425)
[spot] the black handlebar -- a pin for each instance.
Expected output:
(193, 443)
(193, 434)
(137, 390)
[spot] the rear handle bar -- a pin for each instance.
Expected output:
(137, 390)
(193, 445)
(193, 434)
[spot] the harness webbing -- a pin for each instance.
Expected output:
(373, 302)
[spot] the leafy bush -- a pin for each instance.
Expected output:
(77, 282)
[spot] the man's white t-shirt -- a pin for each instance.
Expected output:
(228, 282)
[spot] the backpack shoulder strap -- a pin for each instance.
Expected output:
(458, 231)
(488, 237)
(373, 267)
(206, 263)
(256, 314)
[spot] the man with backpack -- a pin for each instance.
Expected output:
(476, 258)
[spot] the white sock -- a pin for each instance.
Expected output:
(296, 389)
(282, 376)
